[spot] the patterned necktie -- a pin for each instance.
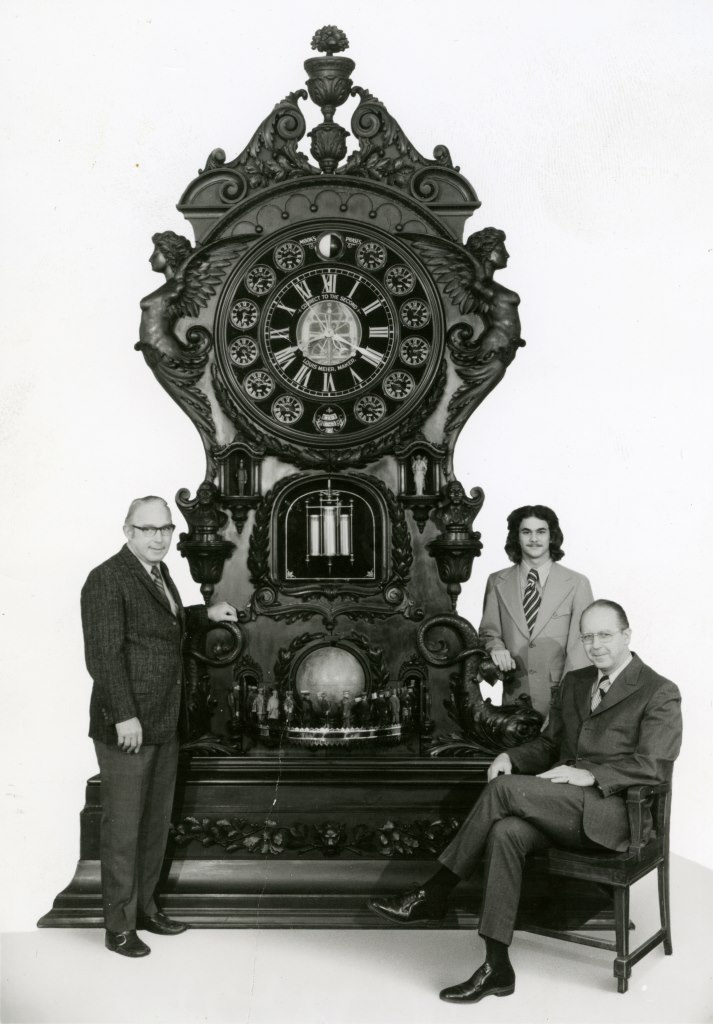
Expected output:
(604, 684)
(158, 580)
(531, 599)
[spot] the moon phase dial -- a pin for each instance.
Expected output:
(344, 335)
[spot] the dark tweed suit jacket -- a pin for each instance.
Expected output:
(632, 738)
(133, 647)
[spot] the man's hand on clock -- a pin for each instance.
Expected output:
(222, 612)
(503, 659)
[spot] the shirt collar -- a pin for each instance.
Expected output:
(543, 570)
(617, 672)
(148, 566)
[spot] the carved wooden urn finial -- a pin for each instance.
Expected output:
(329, 85)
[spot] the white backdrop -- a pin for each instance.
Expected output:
(586, 131)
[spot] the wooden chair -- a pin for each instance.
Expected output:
(647, 850)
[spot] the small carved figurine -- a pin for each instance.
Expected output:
(273, 706)
(394, 705)
(419, 465)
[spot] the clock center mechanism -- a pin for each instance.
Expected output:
(328, 333)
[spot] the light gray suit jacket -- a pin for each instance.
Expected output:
(554, 647)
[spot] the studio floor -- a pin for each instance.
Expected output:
(358, 977)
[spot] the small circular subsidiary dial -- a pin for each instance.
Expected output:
(287, 409)
(329, 334)
(398, 385)
(244, 315)
(289, 255)
(414, 350)
(415, 313)
(400, 280)
(369, 408)
(260, 279)
(371, 255)
(259, 385)
(243, 351)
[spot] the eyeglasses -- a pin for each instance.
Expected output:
(603, 638)
(151, 531)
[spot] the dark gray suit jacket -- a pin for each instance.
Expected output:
(632, 738)
(133, 646)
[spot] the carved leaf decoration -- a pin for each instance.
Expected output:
(272, 154)
(462, 276)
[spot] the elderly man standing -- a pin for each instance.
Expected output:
(134, 627)
(612, 725)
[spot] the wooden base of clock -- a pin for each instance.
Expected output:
(260, 844)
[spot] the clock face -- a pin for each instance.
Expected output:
(332, 336)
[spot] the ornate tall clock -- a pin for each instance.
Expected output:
(328, 332)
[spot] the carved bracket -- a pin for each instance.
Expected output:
(486, 728)
(203, 546)
(458, 545)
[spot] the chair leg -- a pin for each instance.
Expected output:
(664, 905)
(622, 969)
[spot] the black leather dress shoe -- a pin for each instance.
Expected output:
(487, 981)
(159, 924)
(126, 943)
(409, 907)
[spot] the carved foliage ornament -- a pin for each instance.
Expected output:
(394, 839)
(384, 154)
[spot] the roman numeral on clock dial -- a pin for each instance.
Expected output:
(302, 288)
(302, 375)
(371, 355)
(284, 356)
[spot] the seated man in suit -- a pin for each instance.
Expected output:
(134, 627)
(612, 725)
(531, 611)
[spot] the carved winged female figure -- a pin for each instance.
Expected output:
(466, 274)
(192, 278)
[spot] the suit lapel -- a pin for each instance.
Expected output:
(583, 697)
(509, 586)
(622, 687)
(137, 570)
(559, 585)
(173, 589)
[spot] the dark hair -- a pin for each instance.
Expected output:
(176, 248)
(482, 243)
(512, 543)
(613, 606)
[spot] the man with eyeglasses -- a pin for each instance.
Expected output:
(134, 627)
(612, 725)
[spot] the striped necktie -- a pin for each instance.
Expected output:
(158, 580)
(597, 696)
(531, 599)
